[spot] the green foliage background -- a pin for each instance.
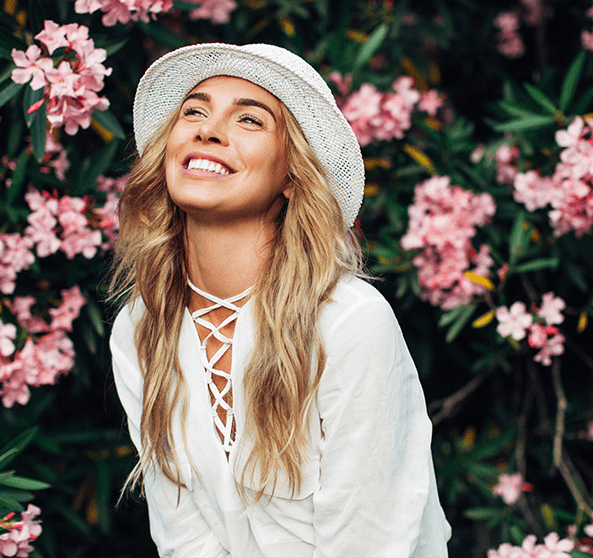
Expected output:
(493, 408)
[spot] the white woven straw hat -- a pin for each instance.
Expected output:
(287, 76)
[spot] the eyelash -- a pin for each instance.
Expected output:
(191, 111)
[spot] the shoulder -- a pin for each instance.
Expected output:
(358, 304)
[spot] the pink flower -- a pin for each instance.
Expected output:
(587, 39)
(21, 306)
(509, 487)
(558, 547)
(343, 83)
(538, 335)
(53, 36)
(123, 11)
(430, 102)
(20, 534)
(218, 11)
(506, 163)
(30, 66)
(513, 322)
(68, 311)
(554, 347)
(551, 309)
(7, 335)
(15, 256)
(63, 81)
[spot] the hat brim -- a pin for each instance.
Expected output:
(288, 77)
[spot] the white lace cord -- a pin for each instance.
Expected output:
(225, 428)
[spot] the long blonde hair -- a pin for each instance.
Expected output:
(311, 249)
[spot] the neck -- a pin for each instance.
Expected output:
(226, 259)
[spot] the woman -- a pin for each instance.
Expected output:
(269, 392)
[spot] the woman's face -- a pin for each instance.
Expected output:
(225, 158)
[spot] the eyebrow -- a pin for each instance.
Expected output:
(243, 102)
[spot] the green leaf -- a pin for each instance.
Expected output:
(461, 322)
(579, 554)
(18, 177)
(540, 98)
(99, 164)
(10, 91)
(108, 120)
(370, 46)
(113, 46)
(96, 317)
(517, 242)
(11, 503)
(516, 110)
(25, 484)
(535, 265)
(17, 445)
(38, 133)
(573, 76)
(478, 514)
(584, 102)
(161, 35)
(525, 124)
(450, 316)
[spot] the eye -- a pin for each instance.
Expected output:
(248, 119)
(193, 111)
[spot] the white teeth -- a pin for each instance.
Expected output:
(207, 165)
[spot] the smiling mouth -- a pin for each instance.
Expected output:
(207, 166)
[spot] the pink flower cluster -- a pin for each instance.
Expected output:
(218, 11)
(15, 256)
(538, 325)
(587, 36)
(510, 43)
(553, 547)
(510, 486)
(20, 533)
(383, 116)
(47, 352)
(109, 213)
(70, 89)
(443, 220)
(506, 163)
(64, 216)
(568, 190)
(123, 11)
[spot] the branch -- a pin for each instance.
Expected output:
(561, 413)
(448, 404)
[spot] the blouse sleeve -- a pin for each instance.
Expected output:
(176, 524)
(377, 494)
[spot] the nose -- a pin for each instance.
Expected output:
(212, 130)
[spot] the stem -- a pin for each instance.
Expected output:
(561, 413)
(448, 404)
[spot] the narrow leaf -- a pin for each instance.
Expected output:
(108, 120)
(461, 322)
(160, 34)
(18, 177)
(516, 110)
(483, 320)
(370, 46)
(536, 265)
(569, 85)
(584, 102)
(479, 513)
(100, 163)
(25, 484)
(16, 445)
(540, 98)
(10, 91)
(516, 241)
(450, 316)
(38, 133)
(525, 124)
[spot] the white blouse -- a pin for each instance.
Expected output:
(368, 488)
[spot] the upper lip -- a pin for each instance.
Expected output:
(212, 158)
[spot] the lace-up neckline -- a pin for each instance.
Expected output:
(222, 410)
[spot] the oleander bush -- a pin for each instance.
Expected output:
(475, 120)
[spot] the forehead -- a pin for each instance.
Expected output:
(234, 87)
